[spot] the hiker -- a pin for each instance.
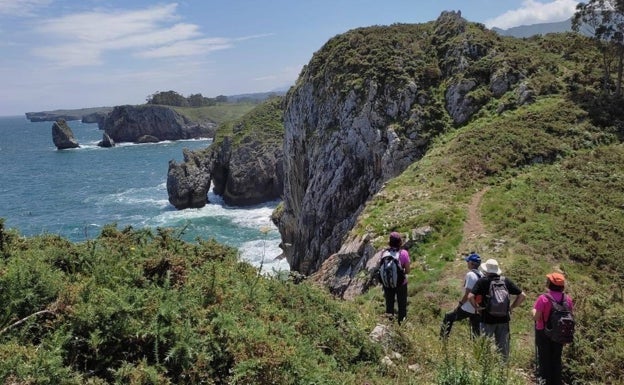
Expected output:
(465, 309)
(496, 310)
(400, 291)
(548, 351)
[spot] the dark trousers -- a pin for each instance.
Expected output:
(457, 315)
(400, 293)
(548, 359)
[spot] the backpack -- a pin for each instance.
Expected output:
(560, 325)
(498, 298)
(391, 273)
(477, 273)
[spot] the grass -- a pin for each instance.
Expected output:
(554, 201)
(219, 113)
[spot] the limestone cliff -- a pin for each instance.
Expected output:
(368, 105)
(244, 163)
(156, 123)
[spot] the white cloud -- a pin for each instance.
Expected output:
(187, 48)
(84, 38)
(534, 12)
(101, 26)
(21, 7)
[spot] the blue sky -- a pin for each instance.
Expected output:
(87, 53)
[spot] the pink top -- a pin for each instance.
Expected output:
(543, 305)
(404, 259)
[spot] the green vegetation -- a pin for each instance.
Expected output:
(172, 98)
(394, 53)
(219, 113)
(553, 201)
(142, 308)
(264, 124)
(551, 172)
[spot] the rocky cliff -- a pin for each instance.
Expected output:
(63, 136)
(152, 123)
(244, 163)
(368, 105)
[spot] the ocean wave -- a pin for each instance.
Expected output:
(162, 142)
(264, 253)
(249, 216)
(136, 196)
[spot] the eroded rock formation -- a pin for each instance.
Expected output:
(365, 107)
(149, 123)
(63, 136)
(244, 164)
(188, 182)
(106, 141)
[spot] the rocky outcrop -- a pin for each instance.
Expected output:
(106, 141)
(62, 135)
(351, 271)
(358, 117)
(188, 182)
(148, 123)
(96, 117)
(248, 174)
(244, 163)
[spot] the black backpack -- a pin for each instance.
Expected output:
(560, 325)
(391, 274)
(497, 300)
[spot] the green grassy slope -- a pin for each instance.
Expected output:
(219, 113)
(554, 201)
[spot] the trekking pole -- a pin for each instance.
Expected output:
(535, 362)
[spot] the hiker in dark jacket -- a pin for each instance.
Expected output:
(548, 351)
(400, 293)
(495, 326)
(464, 308)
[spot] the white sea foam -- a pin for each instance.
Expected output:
(264, 253)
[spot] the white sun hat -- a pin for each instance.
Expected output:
(491, 266)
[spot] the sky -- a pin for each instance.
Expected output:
(68, 54)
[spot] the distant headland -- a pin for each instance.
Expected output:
(87, 115)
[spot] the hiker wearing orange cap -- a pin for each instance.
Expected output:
(549, 348)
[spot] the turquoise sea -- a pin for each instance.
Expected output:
(75, 192)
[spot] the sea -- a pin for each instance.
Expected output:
(75, 192)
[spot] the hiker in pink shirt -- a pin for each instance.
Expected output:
(548, 351)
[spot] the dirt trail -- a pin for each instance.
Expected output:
(473, 226)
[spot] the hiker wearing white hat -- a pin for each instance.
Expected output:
(496, 308)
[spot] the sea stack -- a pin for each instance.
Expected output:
(63, 136)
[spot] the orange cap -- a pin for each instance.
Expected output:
(556, 279)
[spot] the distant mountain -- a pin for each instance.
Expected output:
(535, 29)
(88, 115)
(256, 97)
